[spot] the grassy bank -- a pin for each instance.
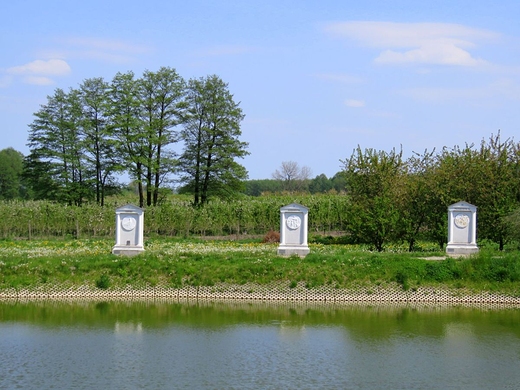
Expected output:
(176, 263)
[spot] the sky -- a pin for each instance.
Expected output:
(315, 79)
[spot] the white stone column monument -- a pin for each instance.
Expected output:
(462, 229)
(293, 230)
(129, 230)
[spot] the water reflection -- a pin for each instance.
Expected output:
(244, 345)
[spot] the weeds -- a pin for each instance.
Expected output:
(103, 282)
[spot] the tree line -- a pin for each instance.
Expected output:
(81, 140)
(397, 199)
(393, 198)
(385, 198)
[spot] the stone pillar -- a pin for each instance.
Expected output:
(462, 229)
(129, 230)
(293, 230)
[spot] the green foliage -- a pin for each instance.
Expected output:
(211, 141)
(394, 199)
(103, 282)
(373, 180)
(402, 278)
(55, 140)
(442, 271)
(11, 168)
(32, 264)
(97, 141)
(486, 176)
(161, 97)
(492, 268)
(421, 210)
(259, 187)
(81, 138)
(511, 222)
(320, 184)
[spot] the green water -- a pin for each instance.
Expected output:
(205, 345)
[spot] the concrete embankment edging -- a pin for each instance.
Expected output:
(282, 291)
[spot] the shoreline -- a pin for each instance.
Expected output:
(274, 292)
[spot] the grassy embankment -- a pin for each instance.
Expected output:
(178, 262)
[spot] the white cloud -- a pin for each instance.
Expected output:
(53, 67)
(38, 72)
(420, 43)
(106, 50)
(38, 80)
(501, 89)
(355, 103)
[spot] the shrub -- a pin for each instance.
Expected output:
(103, 282)
(271, 237)
(401, 277)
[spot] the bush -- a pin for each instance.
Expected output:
(401, 277)
(103, 282)
(271, 237)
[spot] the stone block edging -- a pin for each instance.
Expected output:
(281, 291)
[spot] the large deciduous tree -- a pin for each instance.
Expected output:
(420, 202)
(211, 141)
(126, 126)
(373, 182)
(55, 141)
(161, 96)
(144, 115)
(98, 142)
(486, 176)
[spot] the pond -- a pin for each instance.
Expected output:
(247, 345)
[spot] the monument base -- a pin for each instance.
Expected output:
(299, 250)
(461, 250)
(127, 251)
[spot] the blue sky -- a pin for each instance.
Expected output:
(315, 78)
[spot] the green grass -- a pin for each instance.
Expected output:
(178, 262)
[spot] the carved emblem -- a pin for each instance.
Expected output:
(293, 222)
(128, 223)
(461, 221)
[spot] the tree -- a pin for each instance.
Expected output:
(38, 179)
(126, 126)
(211, 141)
(259, 187)
(512, 224)
(320, 184)
(144, 113)
(499, 189)
(55, 141)
(293, 177)
(420, 203)
(11, 169)
(373, 182)
(98, 143)
(486, 176)
(161, 95)
(339, 182)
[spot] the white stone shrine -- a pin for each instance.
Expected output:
(462, 229)
(293, 230)
(129, 230)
